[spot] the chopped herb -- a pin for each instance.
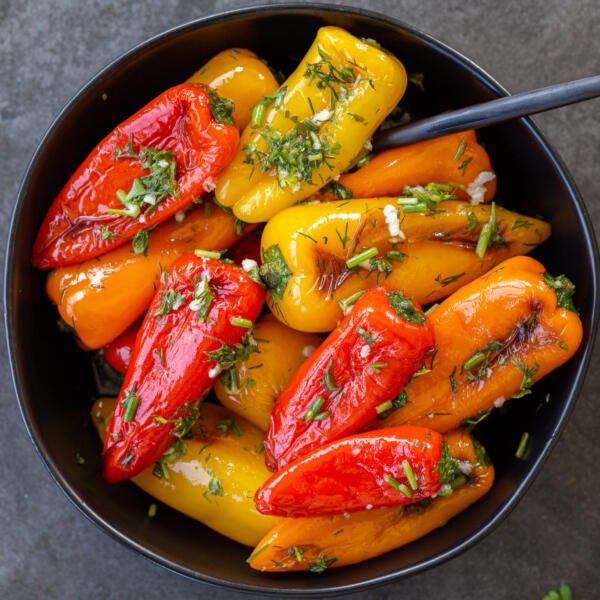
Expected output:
(481, 416)
(169, 300)
(453, 385)
(312, 239)
(521, 223)
(214, 254)
(528, 374)
(396, 255)
(564, 593)
(523, 446)
(220, 108)
(444, 281)
(490, 236)
(564, 289)
(401, 487)
(140, 241)
(315, 407)
(295, 154)
(274, 271)
(296, 552)
(328, 381)
(367, 335)
(130, 403)
(227, 425)
(149, 190)
(462, 146)
(79, 459)
(378, 366)
(417, 80)
(447, 467)
(338, 190)
(343, 239)
(405, 307)
(260, 448)
(357, 118)
(354, 261)
(257, 552)
(152, 510)
(425, 197)
(410, 475)
(229, 356)
(347, 303)
(383, 407)
(106, 233)
(258, 112)
(339, 531)
(321, 416)
(329, 77)
(215, 487)
(321, 563)
(472, 221)
(203, 297)
(464, 164)
(241, 322)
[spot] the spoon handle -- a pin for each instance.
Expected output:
(489, 113)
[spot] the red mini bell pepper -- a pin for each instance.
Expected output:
(193, 330)
(355, 375)
(152, 165)
(387, 467)
(118, 353)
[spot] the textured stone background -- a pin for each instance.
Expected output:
(50, 49)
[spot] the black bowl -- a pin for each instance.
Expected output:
(53, 378)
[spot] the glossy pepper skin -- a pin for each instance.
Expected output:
(251, 387)
(101, 297)
(365, 362)
(451, 159)
(515, 310)
(311, 543)
(352, 474)
(118, 353)
(231, 460)
(305, 249)
(237, 74)
(367, 86)
(179, 120)
(170, 368)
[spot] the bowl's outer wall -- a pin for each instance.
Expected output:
(57, 399)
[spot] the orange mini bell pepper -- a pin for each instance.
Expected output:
(101, 297)
(317, 543)
(238, 74)
(495, 337)
(456, 159)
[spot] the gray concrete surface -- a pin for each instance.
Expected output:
(47, 549)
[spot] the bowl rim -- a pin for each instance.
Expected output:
(8, 280)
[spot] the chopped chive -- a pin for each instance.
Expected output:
(462, 146)
(315, 407)
(401, 487)
(257, 552)
(241, 322)
(328, 380)
(130, 402)
(522, 449)
(257, 115)
(152, 510)
(355, 260)
(378, 366)
(383, 407)
(415, 208)
(346, 303)
(395, 255)
(475, 360)
(410, 475)
(216, 254)
(321, 416)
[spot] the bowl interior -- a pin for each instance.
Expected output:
(57, 397)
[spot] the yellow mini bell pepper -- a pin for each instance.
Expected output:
(251, 387)
(238, 74)
(316, 255)
(215, 480)
(313, 127)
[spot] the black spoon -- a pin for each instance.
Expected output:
(489, 113)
